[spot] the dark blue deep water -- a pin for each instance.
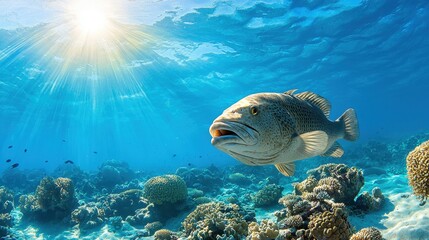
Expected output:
(145, 88)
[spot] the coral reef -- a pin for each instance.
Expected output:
(123, 204)
(367, 203)
(268, 195)
(239, 179)
(367, 234)
(152, 227)
(336, 181)
(207, 180)
(329, 225)
(164, 234)
(53, 200)
(165, 189)
(113, 172)
(264, 231)
(418, 171)
(6, 206)
(88, 216)
(213, 220)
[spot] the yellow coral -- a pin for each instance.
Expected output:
(418, 169)
(165, 189)
(330, 225)
(367, 234)
(264, 231)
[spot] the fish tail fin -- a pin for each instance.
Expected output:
(350, 123)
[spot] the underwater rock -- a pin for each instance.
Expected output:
(152, 227)
(367, 203)
(54, 200)
(418, 171)
(215, 220)
(367, 234)
(115, 224)
(21, 182)
(266, 230)
(335, 180)
(207, 180)
(330, 225)
(143, 216)
(123, 204)
(166, 189)
(267, 196)
(113, 172)
(88, 216)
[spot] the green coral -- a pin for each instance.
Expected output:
(53, 200)
(266, 230)
(330, 225)
(213, 220)
(367, 234)
(268, 195)
(165, 189)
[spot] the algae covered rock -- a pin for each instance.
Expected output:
(418, 170)
(370, 202)
(54, 200)
(213, 220)
(88, 216)
(113, 172)
(166, 189)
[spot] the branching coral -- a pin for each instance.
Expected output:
(418, 170)
(336, 181)
(264, 231)
(268, 195)
(165, 189)
(212, 220)
(367, 234)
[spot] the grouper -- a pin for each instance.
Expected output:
(281, 128)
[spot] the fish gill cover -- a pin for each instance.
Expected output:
(140, 81)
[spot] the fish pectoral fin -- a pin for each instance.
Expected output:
(287, 169)
(335, 151)
(313, 143)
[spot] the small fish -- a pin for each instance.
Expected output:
(8, 160)
(174, 155)
(281, 128)
(95, 152)
(11, 146)
(64, 140)
(189, 164)
(69, 161)
(46, 161)
(25, 150)
(15, 165)
(201, 156)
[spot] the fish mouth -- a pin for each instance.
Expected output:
(231, 132)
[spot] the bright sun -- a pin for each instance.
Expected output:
(91, 16)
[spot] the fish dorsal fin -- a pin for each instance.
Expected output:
(316, 100)
(290, 92)
(313, 143)
(335, 151)
(287, 169)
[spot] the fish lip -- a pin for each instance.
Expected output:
(243, 134)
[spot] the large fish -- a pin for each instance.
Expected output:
(281, 128)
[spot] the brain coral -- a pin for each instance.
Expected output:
(367, 234)
(213, 220)
(165, 189)
(418, 170)
(330, 225)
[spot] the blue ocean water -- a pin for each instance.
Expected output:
(147, 89)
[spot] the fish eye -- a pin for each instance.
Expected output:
(254, 111)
